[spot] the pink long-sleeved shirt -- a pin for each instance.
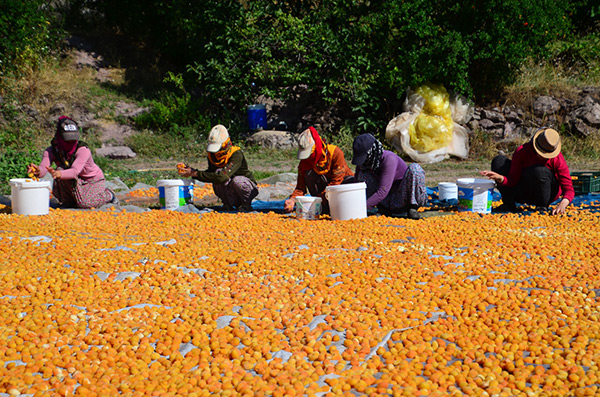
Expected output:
(83, 166)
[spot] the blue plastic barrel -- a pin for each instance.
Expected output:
(257, 117)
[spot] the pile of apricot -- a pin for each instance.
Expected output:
(166, 303)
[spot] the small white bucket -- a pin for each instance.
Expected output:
(174, 193)
(29, 197)
(447, 191)
(347, 201)
(308, 207)
(475, 195)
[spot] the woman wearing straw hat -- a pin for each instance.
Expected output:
(321, 165)
(392, 185)
(227, 170)
(78, 181)
(537, 174)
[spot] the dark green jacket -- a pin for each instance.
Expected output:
(236, 166)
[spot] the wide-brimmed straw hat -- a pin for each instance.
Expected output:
(546, 143)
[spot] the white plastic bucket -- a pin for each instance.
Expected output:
(308, 207)
(29, 197)
(447, 191)
(347, 201)
(475, 195)
(174, 193)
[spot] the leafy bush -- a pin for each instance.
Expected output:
(361, 55)
(25, 34)
(13, 164)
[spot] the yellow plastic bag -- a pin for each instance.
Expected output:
(432, 119)
(433, 127)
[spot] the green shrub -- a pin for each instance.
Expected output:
(13, 164)
(359, 55)
(25, 34)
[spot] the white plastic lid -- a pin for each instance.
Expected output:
(476, 182)
(307, 199)
(173, 182)
(28, 183)
(346, 187)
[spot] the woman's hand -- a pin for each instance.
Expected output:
(184, 170)
(561, 208)
(288, 206)
(33, 170)
(55, 173)
(493, 176)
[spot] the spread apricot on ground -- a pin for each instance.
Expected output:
(163, 303)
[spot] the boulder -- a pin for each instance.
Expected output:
(272, 139)
(116, 152)
(545, 105)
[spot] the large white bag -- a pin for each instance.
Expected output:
(433, 103)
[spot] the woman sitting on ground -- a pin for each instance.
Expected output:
(537, 174)
(228, 172)
(392, 185)
(78, 181)
(321, 165)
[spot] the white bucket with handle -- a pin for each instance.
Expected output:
(347, 201)
(29, 197)
(447, 191)
(174, 193)
(475, 195)
(308, 207)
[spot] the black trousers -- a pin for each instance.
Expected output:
(537, 186)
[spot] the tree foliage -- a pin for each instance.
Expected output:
(25, 34)
(362, 54)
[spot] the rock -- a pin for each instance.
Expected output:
(117, 185)
(473, 125)
(113, 133)
(511, 115)
(58, 109)
(585, 119)
(288, 177)
(579, 128)
(492, 115)
(511, 131)
(486, 123)
(545, 105)
(116, 152)
(272, 139)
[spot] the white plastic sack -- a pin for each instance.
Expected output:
(397, 132)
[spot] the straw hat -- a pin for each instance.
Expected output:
(546, 143)
(218, 134)
(305, 144)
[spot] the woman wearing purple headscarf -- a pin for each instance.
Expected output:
(392, 185)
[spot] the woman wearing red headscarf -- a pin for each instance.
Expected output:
(321, 165)
(78, 181)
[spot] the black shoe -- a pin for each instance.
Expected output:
(505, 207)
(384, 211)
(114, 200)
(413, 213)
(541, 210)
(245, 208)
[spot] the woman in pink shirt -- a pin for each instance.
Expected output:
(78, 181)
(537, 174)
